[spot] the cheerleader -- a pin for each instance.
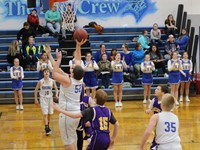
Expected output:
(72, 63)
(42, 64)
(174, 68)
(186, 76)
(17, 74)
(117, 78)
(90, 75)
(147, 79)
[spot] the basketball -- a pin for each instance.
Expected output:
(80, 34)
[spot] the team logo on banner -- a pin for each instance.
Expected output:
(105, 9)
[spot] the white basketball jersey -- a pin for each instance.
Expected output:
(167, 128)
(69, 98)
(46, 88)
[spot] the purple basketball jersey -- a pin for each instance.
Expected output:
(84, 102)
(156, 109)
(156, 106)
(101, 119)
(100, 125)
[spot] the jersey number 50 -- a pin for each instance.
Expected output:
(170, 127)
(78, 88)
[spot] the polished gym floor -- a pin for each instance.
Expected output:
(21, 130)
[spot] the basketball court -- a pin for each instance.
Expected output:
(24, 130)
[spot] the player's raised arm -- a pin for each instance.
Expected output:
(77, 53)
(152, 124)
(57, 75)
(48, 51)
(56, 88)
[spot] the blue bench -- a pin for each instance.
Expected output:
(116, 37)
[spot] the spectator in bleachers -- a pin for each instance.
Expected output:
(128, 58)
(157, 59)
(90, 80)
(17, 75)
(31, 54)
(97, 55)
(117, 78)
(72, 63)
(40, 49)
(105, 71)
(138, 58)
(170, 47)
(144, 40)
(156, 35)
(42, 64)
(147, 78)
(14, 52)
(25, 32)
(113, 54)
(170, 27)
(53, 20)
(183, 40)
(33, 20)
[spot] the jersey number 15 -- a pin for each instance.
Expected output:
(103, 123)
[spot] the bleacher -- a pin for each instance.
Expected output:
(112, 38)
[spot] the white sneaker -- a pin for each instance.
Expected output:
(176, 102)
(166, 75)
(17, 107)
(187, 99)
(21, 107)
(116, 104)
(120, 104)
(144, 101)
(181, 99)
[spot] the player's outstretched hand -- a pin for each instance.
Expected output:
(81, 43)
(58, 55)
(47, 49)
(56, 107)
(148, 111)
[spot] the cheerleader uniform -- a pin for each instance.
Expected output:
(187, 69)
(43, 65)
(90, 79)
(72, 64)
(117, 74)
(174, 75)
(147, 77)
(17, 72)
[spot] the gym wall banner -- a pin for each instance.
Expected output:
(108, 13)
